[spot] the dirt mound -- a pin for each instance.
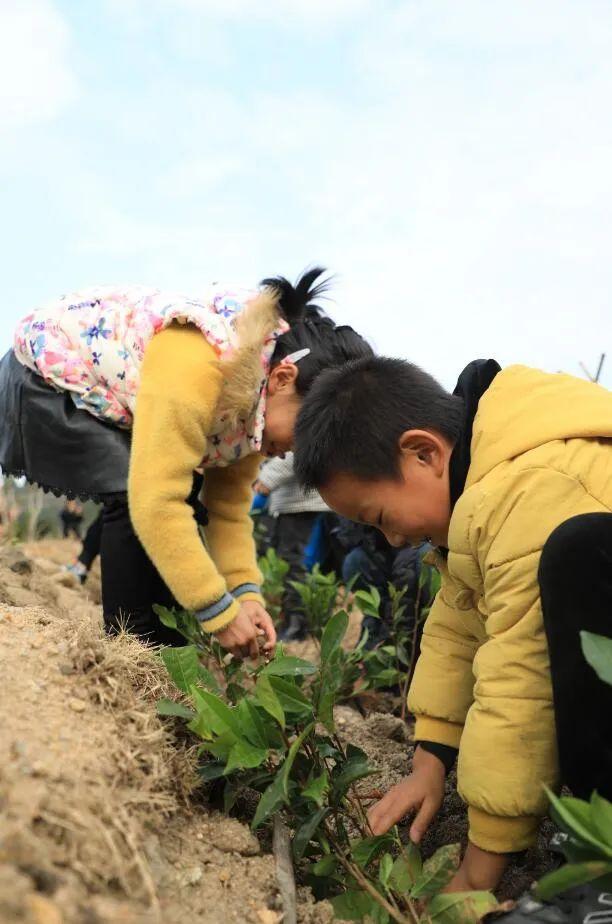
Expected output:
(100, 820)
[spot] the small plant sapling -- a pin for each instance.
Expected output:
(274, 570)
(275, 735)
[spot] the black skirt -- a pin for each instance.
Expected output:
(47, 439)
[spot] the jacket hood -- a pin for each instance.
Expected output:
(524, 408)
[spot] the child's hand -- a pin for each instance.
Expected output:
(422, 792)
(262, 621)
(479, 871)
(240, 636)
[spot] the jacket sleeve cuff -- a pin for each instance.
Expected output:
(219, 614)
(437, 731)
(499, 834)
(247, 591)
(444, 752)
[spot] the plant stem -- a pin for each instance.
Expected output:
(366, 885)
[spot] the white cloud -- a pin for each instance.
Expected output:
(288, 14)
(36, 79)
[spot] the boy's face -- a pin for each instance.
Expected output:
(413, 506)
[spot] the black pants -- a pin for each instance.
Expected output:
(576, 589)
(92, 542)
(131, 583)
(290, 538)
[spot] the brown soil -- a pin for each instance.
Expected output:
(100, 820)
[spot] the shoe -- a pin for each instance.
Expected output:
(585, 904)
(77, 570)
(295, 630)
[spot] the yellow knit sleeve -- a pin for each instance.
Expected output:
(179, 390)
(228, 494)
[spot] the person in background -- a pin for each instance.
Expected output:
(294, 513)
(71, 516)
(371, 562)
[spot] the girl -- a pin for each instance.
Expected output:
(127, 394)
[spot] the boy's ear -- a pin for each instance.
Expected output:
(282, 377)
(425, 447)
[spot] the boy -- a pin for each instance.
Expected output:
(511, 479)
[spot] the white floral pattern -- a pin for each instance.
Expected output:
(91, 343)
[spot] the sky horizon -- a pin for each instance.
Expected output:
(449, 162)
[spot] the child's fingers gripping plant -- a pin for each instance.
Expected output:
(269, 729)
(587, 826)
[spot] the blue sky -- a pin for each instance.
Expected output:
(449, 160)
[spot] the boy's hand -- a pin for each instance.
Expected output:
(479, 871)
(422, 792)
(240, 636)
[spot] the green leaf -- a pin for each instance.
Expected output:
(574, 817)
(460, 907)
(407, 868)
(293, 753)
(288, 667)
(317, 788)
(572, 874)
(182, 664)
(356, 767)
(230, 794)
(223, 719)
(245, 756)
(221, 746)
(212, 770)
(369, 602)
(169, 707)
(306, 832)
(367, 849)
(251, 724)
(597, 649)
(277, 793)
(601, 813)
(437, 871)
(326, 748)
(334, 632)
(358, 906)
(292, 699)
(271, 800)
(385, 869)
(166, 616)
(269, 701)
(325, 866)
(207, 679)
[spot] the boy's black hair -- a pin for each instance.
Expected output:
(329, 345)
(353, 417)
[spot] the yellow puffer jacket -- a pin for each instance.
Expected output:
(541, 452)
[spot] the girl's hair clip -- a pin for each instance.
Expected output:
(295, 357)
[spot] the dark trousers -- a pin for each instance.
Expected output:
(378, 568)
(131, 584)
(289, 540)
(71, 523)
(575, 578)
(92, 542)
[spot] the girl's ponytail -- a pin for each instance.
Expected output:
(297, 301)
(311, 329)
